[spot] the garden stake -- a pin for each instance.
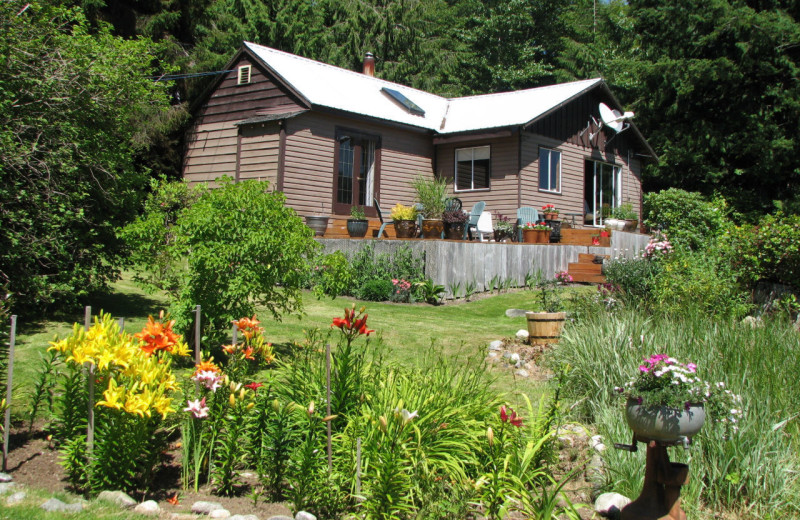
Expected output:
(9, 380)
(87, 323)
(234, 331)
(358, 466)
(121, 325)
(196, 345)
(328, 378)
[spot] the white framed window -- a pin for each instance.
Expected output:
(473, 168)
(244, 75)
(549, 170)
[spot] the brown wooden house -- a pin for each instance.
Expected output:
(330, 138)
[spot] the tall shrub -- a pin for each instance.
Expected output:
(235, 247)
(688, 219)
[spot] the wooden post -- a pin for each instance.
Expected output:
(121, 323)
(9, 382)
(234, 335)
(87, 323)
(197, 335)
(328, 379)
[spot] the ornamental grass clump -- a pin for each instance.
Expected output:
(663, 380)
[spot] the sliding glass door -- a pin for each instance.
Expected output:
(602, 191)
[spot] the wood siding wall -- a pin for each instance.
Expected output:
(309, 169)
(501, 197)
(212, 141)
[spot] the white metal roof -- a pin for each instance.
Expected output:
(341, 89)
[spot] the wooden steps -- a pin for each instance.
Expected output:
(585, 270)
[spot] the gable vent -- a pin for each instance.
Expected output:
(244, 75)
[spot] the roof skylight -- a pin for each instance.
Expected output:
(404, 101)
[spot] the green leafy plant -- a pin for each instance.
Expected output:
(401, 212)
(687, 218)
(469, 289)
(455, 289)
(376, 290)
(357, 213)
(331, 276)
(624, 212)
(429, 292)
(432, 194)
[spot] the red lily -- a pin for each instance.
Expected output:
(512, 418)
(253, 386)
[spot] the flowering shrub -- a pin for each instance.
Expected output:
(563, 277)
(402, 290)
(663, 380)
(401, 212)
(549, 208)
(658, 247)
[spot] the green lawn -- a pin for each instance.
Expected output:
(406, 331)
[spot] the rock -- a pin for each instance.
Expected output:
(5, 477)
(280, 517)
(203, 508)
(522, 334)
(610, 504)
(516, 313)
(183, 516)
(522, 373)
(119, 498)
(56, 505)
(219, 513)
(16, 498)
(6, 487)
(597, 444)
(797, 323)
(148, 507)
(496, 345)
(493, 355)
(753, 322)
(514, 358)
(304, 515)
(245, 517)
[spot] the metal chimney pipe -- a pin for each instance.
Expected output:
(369, 64)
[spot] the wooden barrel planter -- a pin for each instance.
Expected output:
(545, 327)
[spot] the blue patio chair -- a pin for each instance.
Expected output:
(525, 215)
(419, 207)
(452, 203)
(474, 215)
(380, 216)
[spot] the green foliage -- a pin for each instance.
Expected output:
(431, 194)
(75, 103)
(687, 219)
(357, 213)
(770, 251)
(235, 247)
(375, 291)
(331, 275)
(624, 212)
(756, 466)
(429, 292)
(633, 279)
(367, 265)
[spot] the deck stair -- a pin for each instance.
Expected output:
(586, 270)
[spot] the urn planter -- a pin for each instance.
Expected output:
(357, 228)
(405, 228)
(317, 223)
(432, 228)
(663, 423)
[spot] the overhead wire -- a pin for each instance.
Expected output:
(170, 77)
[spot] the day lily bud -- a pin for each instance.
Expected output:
(329, 418)
(232, 400)
(490, 435)
(232, 386)
(384, 427)
(238, 386)
(276, 406)
(311, 408)
(241, 393)
(250, 405)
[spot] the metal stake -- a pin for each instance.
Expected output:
(9, 382)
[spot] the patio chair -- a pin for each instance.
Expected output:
(380, 216)
(525, 214)
(418, 206)
(484, 226)
(452, 203)
(474, 215)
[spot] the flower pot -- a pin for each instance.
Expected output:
(551, 216)
(454, 231)
(545, 327)
(357, 228)
(432, 228)
(405, 228)
(662, 423)
(614, 223)
(501, 235)
(630, 224)
(542, 236)
(318, 224)
(529, 236)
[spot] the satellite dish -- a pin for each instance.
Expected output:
(614, 119)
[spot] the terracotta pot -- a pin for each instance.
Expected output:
(630, 225)
(432, 228)
(545, 327)
(529, 236)
(454, 231)
(542, 237)
(662, 423)
(357, 228)
(551, 216)
(405, 228)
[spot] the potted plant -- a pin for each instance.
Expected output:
(545, 326)
(318, 223)
(537, 233)
(628, 217)
(454, 222)
(666, 401)
(357, 224)
(404, 219)
(504, 229)
(550, 212)
(431, 194)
